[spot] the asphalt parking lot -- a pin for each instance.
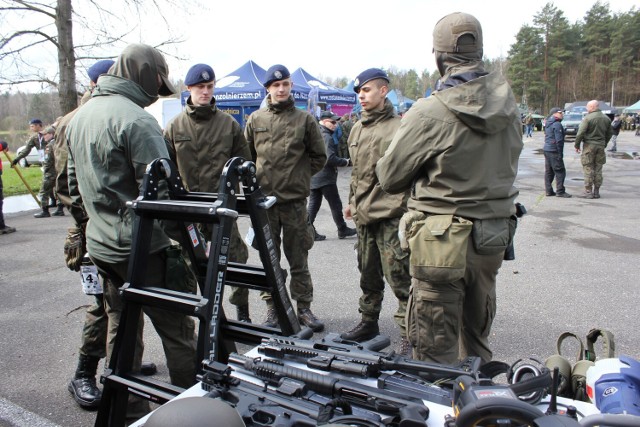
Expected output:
(575, 269)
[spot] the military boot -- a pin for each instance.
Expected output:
(588, 194)
(59, 210)
(307, 318)
(243, 313)
(44, 214)
(596, 192)
(83, 386)
(272, 317)
(363, 331)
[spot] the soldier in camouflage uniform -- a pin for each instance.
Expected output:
(48, 176)
(94, 331)
(594, 132)
(346, 124)
(375, 212)
(288, 149)
(201, 139)
(457, 152)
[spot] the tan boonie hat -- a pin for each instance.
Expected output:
(450, 28)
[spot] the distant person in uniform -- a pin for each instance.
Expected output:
(288, 149)
(47, 189)
(457, 151)
(201, 140)
(594, 133)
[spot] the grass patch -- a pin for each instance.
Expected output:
(13, 185)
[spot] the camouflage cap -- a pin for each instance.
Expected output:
(49, 129)
(449, 29)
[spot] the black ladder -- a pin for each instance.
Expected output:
(217, 335)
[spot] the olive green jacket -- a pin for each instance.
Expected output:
(369, 139)
(594, 129)
(201, 140)
(112, 139)
(288, 149)
(36, 140)
(458, 151)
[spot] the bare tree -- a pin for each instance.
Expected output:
(47, 27)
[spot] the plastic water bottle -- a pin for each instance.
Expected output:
(89, 276)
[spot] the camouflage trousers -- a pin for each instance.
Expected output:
(593, 159)
(292, 232)
(450, 321)
(380, 257)
(94, 331)
(238, 252)
(46, 190)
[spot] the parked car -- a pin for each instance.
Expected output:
(571, 123)
(33, 158)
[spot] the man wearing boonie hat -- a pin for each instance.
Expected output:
(375, 212)
(457, 151)
(201, 140)
(288, 150)
(112, 139)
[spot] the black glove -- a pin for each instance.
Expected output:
(74, 248)
(14, 162)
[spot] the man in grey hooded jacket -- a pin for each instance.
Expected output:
(457, 151)
(111, 140)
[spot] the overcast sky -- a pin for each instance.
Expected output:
(329, 39)
(335, 39)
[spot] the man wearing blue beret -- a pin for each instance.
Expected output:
(288, 149)
(201, 140)
(375, 212)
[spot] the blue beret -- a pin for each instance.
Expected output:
(100, 67)
(35, 122)
(367, 76)
(199, 73)
(275, 73)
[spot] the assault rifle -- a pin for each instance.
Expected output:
(261, 406)
(411, 411)
(347, 359)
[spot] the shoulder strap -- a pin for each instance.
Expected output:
(608, 344)
(565, 335)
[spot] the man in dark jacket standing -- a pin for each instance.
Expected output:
(324, 182)
(201, 140)
(553, 153)
(457, 151)
(594, 132)
(287, 147)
